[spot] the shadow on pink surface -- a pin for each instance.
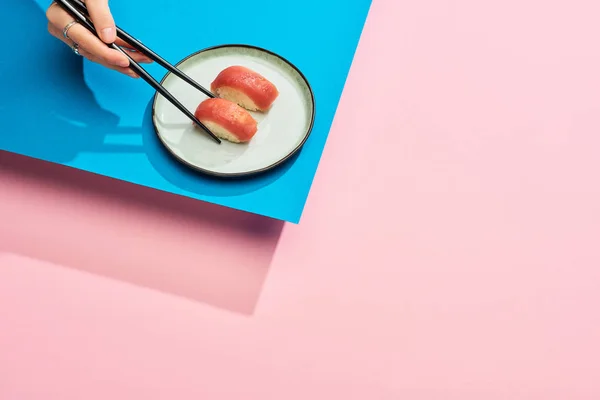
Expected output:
(135, 234)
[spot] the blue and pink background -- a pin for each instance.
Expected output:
(448, 248)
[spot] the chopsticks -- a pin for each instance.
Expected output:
(121, 34)
(77, 12)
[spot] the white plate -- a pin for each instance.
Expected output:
(281, 131)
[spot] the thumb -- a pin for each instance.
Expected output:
(102, 19)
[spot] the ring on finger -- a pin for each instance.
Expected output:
(66, 29)
(75, 48)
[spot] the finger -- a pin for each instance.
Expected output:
(93, 58)
(57, 33)
(102, 19)
(125, 45)
(86, 40)
(122, 43)
(137, 56)
(118, 41)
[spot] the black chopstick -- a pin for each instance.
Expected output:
(137, 45)
(84, 21)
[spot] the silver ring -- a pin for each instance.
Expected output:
(66, 29)
(75, 48)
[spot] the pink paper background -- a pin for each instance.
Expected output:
(450, 248)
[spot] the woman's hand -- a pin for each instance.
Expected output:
(86, 43)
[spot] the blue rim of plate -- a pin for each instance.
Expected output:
(248, 173)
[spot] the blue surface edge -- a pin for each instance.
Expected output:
(76, 121)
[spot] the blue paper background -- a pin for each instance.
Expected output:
(55, 107)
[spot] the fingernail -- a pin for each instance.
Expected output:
(123, 63)
(109, 35)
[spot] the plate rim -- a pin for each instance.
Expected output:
(256, 171)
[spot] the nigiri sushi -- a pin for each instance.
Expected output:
(245, 87)
(227, 120)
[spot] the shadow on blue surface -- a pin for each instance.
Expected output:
(52, 115)
(55, 117)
